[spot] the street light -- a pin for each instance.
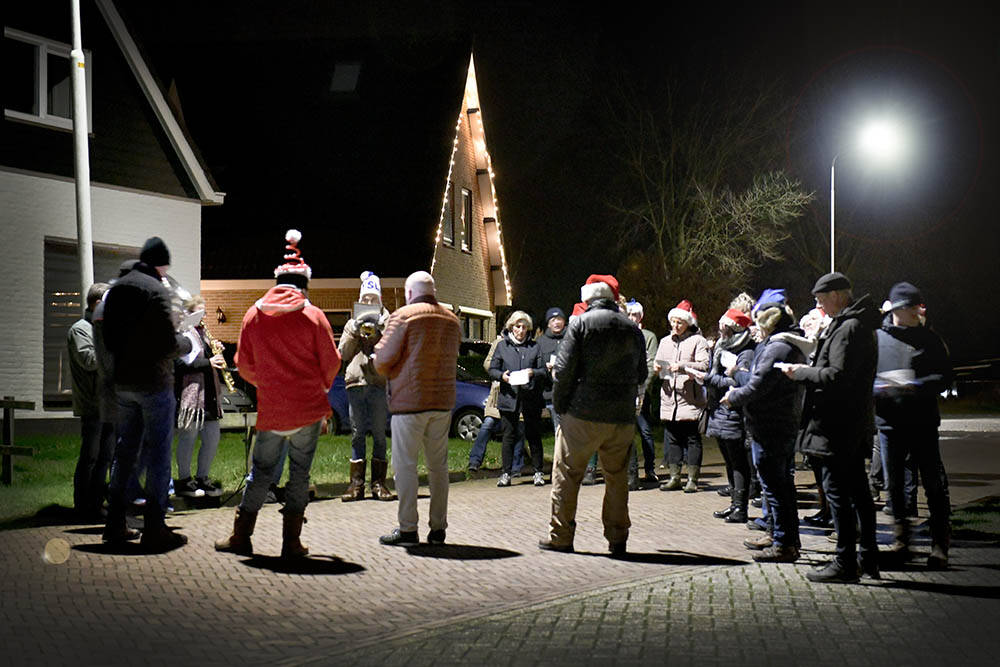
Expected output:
(880, 139)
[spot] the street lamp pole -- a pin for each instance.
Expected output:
(833, 197)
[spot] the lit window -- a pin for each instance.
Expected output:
(37, 86)
(466, 219)
(448, 224)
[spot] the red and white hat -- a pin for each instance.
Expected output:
(736, 319)
(293, 258)
(683, 311)
(599, 286)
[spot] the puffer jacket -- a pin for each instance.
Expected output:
(512, 356)
(726, 423)
(355, 351)
(418, 353)
(838, 414)
(601, 366)
(682, 398)
(918, 349)
(771, 401)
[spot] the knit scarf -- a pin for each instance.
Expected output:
(734, 344)
(191, 411)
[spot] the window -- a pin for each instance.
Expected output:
(37, 87)
(448, 221)
(64, 301)
(466, 220)
(472, 327)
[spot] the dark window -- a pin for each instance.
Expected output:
(37, 85)
(21, 77)
(63, 306)
(466, 219)
(448, 221)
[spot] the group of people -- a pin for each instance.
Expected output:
(766, 388)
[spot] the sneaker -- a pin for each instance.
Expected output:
(436, 536)
(119, 535)
(188, 488)
(833, 573)
(868, 565)
(758, 543)
(547, 545)
(589, 477)
(777, 554)
(757, 524)
(209, 489)
(504, 480)
(757, 502)
(398, 538)
(539, 479)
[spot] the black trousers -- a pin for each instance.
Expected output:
(845, 483)
(97, 446)
(532, 436)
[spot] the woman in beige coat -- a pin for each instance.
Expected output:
(682, 398)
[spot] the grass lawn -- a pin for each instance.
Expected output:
(47, 478)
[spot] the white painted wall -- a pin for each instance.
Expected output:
(33, 206)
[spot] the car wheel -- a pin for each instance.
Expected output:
(466, 423)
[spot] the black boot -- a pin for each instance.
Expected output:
(739, 513)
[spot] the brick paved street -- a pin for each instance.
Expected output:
(689, 591)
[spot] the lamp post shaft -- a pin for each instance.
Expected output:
(833, 199)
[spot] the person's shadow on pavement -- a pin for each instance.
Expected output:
(310, 565)
(459, 552)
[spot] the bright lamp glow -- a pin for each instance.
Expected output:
(882, 140)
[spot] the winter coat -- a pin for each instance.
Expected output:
(771, 402)
(139, 332)
(355, 351)
(286, 349)
(837, 416)
(490, 408)
(601, 366)
(201, 365)
(726, 423)
(548, 345)
(918, 349)
(682, 398)
(418, 353)
(512, 356)
(83, 366)
(107, 400)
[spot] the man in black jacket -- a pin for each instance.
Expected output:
(913, 367)
(548, 347)
(837, 422)
(139, 332)
(599, 371)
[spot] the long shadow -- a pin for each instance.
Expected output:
(663, 557)
(982, 592)
(460, 552)
(50, 515)
(123, 549)
(311, 565)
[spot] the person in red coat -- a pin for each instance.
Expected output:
(286, 349)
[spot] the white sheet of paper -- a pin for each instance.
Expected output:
(520, 377)
(900, 376)
(192, 320)
(728, 359)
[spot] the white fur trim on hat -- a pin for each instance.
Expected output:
(596, 290)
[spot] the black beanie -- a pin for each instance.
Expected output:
(154, 252)
(904, 295)
(553, 312)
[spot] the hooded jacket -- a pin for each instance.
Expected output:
(601, 366)
(286, 349)
(771, 401)
(837, 416)
(911, 348)
(681, 397)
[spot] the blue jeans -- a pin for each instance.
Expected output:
(919, 446)
(268, 451)
(145, 420)
(554, 415)
(646, 438)
(368, 410)
(774, 465)
(490, 427)
(210, 434)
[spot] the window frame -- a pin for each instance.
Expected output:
(43, 48)
(467, 220)
(448, 221)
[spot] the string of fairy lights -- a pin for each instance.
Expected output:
(480, 145)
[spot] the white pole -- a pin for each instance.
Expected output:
(81, 158)
(833, 197)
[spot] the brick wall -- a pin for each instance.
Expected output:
(34, 206)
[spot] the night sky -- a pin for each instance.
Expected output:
(548, 76)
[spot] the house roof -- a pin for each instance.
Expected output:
(360, 170)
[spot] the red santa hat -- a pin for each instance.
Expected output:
(735, 318)
(294, 264)
(683, 311)
(599, 287)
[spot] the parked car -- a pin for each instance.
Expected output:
(466, 416)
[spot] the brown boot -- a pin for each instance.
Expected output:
(291, 528)
(379, 490)
(356, 491)
(239, 541)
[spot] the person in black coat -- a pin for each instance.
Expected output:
(913, 368)
(548, 347)
(772, 406)
(838, 417)
(518, 354)
(734, 350)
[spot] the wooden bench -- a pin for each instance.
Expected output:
(7, 448)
